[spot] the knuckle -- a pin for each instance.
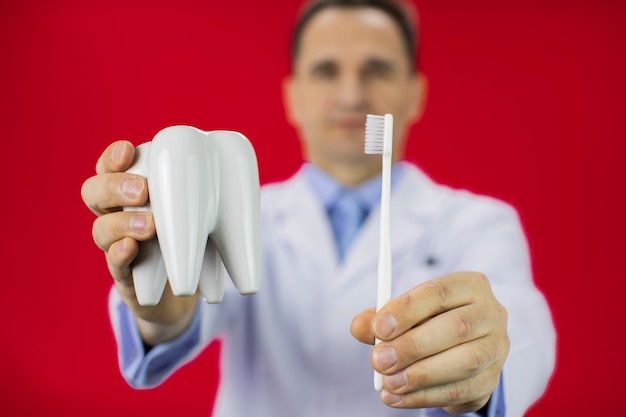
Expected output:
(474, 361)
(462, 325)
(492, 353)
(507, 347)
(460, 392)
(406, 300)
(481, 278)
(114, 185)
(455, 392)
(120, 257)
(488, 353)
(417, 348)
(84, 191)
(110, 228)
(87, 195)
(479, 281)
(503, 313)
(97, 234)
(100, 164)
(112, 258)
(440, 292)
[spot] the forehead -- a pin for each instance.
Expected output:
(351, 35)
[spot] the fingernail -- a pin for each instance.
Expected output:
(117, 152)
(385, 357)
(395, 381)
(132, 187)
(139, 223)
(384, 326)
(389, 398)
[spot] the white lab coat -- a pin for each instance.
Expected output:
(287, 351)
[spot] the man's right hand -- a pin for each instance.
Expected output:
(118, 234)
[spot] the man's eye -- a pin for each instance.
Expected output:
(377, 72)
(377, 69)
(325, 72)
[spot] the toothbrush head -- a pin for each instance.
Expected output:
(378, 134)
(374, 134)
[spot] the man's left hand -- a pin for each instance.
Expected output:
(443, 344)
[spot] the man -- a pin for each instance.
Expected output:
(286, 350)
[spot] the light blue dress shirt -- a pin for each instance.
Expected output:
(148, 369)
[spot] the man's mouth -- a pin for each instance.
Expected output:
(351, 123)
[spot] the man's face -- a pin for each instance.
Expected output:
(351, 62)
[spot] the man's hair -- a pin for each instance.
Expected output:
(394, 9)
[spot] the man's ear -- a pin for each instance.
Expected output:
(417, 97)
(290, 102)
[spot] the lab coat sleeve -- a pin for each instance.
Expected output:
(147, 370)
(494, 243)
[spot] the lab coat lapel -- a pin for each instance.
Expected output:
(413, 206)
(306, 226)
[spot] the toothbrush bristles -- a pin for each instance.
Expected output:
(374, 133)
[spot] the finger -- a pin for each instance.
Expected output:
(117, 157)
(426, 301)
(460, 363)
(106, 193)
(119, 258)
(113, 227)
(462, 395)
(361, 326)
(449, 329)
(459, 397)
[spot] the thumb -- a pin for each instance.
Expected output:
(361, 327)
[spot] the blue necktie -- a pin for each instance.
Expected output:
(347, 215)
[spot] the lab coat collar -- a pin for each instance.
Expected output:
(414, 201)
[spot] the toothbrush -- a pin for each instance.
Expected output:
(378, 140)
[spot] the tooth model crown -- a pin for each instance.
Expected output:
(204, 195)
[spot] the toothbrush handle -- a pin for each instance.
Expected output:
(383, 293)
(384, 290)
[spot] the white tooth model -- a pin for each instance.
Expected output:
(204, 195)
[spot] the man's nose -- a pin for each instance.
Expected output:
(350, 93)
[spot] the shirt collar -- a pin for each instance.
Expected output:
(327, 189)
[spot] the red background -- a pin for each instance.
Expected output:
(527, 102)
